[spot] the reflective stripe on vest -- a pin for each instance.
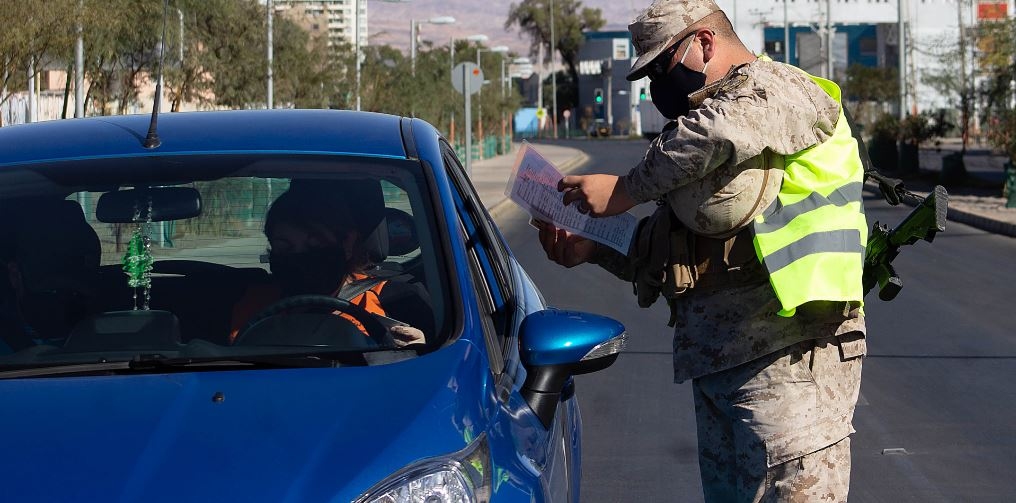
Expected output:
(812, 238)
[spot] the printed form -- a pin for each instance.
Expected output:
(533, 186)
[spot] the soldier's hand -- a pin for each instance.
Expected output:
(597, 195)
(564, 247)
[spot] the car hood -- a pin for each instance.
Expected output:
(257, 435)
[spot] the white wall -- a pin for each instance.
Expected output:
(930, 21)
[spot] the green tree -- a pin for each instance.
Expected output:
(32, 34)
(571, 19)
(121, 51)
(867, 89)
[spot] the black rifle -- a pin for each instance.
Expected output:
(927, 219)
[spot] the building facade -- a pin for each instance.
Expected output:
(866, 32)
(339, 20)
(605, 58)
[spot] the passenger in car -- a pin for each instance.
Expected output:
(51, 257)
(315, 248)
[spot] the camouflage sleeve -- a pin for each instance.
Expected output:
(614, 262)
(764, 105)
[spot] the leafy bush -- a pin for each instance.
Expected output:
(882, 145)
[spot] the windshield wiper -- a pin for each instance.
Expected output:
(156, 362)
(159, 362)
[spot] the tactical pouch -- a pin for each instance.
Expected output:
(664, 260)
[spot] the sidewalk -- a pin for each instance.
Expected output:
(979, 205)
(982, 207)
(490, 176)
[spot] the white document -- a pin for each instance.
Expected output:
(533, 186)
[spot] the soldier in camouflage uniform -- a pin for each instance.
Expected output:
(774, 396)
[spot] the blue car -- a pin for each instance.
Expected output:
(273, 305)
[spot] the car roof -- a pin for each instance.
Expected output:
(219, 132)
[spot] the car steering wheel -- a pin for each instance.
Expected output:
(375, 330)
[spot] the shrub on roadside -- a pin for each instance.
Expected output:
(882, 144)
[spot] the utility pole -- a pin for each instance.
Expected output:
(964, 85)
(786, 34)
(735, 16)
(830, 35)
(79, 65)
(553, 70)
(269, 101)
(32, 106)
(900, 38)
(356, 38)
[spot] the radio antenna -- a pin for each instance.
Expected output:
(152, 139)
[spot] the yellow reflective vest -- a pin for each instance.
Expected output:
(812, 238)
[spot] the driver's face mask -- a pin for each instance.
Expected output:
(51, 314)
(318, 270)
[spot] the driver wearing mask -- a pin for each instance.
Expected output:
(52, 261)
(314, 248)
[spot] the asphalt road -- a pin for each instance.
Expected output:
(936, 420)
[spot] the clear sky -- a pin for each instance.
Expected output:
(389, 22)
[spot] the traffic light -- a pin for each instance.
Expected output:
(598, 96)
(642, 94)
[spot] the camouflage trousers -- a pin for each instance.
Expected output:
(776, 429)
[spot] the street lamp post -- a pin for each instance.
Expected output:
(413, 25)
(479, 93)
(553, 70)
(479, 105)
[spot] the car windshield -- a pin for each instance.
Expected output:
(194, 258)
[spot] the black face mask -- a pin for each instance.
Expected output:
(317, 271)
(52, 314)
(670, 94)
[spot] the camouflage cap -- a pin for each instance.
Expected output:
(652, 30)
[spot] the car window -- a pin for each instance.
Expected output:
(348, 238)
(488, 251)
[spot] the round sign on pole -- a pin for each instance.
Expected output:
(541, 113)
(467, 72)
(566, 113)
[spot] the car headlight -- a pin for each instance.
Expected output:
(461, 477)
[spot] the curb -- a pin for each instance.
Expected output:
(964, 217)
(504, 205)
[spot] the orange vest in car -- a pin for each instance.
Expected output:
(259, 297)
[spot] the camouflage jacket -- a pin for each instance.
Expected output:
(758, 106)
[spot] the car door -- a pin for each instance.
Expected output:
(506, 295)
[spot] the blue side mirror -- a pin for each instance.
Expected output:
(556, 345)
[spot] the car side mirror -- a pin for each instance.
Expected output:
(556, 345)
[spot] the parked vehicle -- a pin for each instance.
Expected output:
(126, 372)
(652, 120)
(599, 129)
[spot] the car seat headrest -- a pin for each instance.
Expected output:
(53, 245)
(402, 236)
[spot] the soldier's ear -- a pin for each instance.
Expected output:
(708, 40)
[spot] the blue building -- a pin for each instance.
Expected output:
(605, 59)
(871, 45)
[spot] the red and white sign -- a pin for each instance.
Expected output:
(992, 10)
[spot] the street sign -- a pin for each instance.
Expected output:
(520, 70)
(541, 113)
(467, 73)
(566, 113)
